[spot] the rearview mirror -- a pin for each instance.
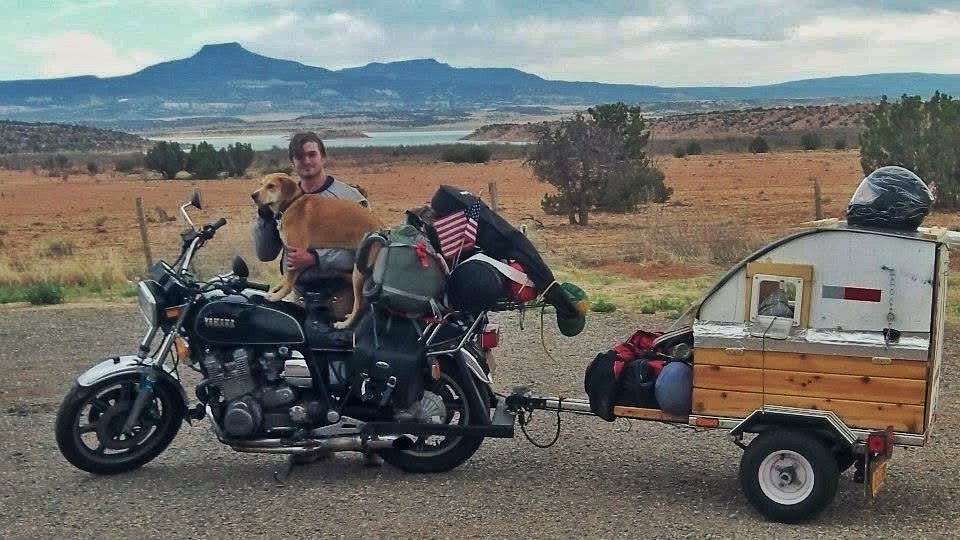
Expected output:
(240, 267)
(195, 200)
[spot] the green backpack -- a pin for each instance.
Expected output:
(407, 277)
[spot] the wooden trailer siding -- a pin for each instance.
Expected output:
(856, 414)
(798, 383)
(866, 392)
(814, 363)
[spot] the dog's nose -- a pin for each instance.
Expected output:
(254, 196)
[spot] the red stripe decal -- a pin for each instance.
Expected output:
(861, 294)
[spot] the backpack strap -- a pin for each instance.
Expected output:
(512, 273)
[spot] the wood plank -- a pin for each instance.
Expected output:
(728, 378)
(856, 414)
(647, 414)
(725, 403)
(814, 363)
(795, 383)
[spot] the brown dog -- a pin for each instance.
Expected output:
(313, 221)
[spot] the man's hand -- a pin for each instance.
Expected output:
(298, 259)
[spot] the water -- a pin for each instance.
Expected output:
(374, 138)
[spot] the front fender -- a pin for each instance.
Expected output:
(129, 364)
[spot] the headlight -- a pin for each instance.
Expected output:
(147, 299)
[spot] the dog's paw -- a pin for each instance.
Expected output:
(344, 324)
(273, 297)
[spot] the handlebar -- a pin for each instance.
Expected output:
(256, 286)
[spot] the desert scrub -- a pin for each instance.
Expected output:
(44, 293)
(602, 305)
(56, 248)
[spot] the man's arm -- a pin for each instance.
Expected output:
(266, 237)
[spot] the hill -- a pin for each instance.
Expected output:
(227, 80)
(23, 137)
(839, 119)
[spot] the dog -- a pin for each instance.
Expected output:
(313, 221)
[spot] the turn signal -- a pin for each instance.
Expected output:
(183, 348)
(172, 312)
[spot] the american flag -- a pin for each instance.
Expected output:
(458, 231)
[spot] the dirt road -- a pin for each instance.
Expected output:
(600, 480)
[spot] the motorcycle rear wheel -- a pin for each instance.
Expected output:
(89, 425)
(439, 453)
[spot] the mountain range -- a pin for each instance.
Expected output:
(227, 80)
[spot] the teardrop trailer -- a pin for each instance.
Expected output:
(850, 370)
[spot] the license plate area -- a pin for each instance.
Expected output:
(876, 474)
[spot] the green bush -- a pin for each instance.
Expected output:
(648, 307)
(840, 144)
(810, 141)
(44, 293)
(167, 158)
(694, 149)
(759, 145)
(602, 305)
(679, 152)
(203, 161)
(466, 153)
(128, 164)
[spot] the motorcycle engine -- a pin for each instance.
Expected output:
(255, 397)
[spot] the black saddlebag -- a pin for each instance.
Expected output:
(381, 337)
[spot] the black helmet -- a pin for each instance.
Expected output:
(890, 198)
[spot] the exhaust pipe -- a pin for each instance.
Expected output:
(336, 444)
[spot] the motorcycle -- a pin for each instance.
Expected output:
(277, 379)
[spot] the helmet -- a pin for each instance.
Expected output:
(890, 198)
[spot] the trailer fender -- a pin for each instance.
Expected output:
(825, 423)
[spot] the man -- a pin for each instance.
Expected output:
(308, 157)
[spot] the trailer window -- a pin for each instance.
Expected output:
(776, 296)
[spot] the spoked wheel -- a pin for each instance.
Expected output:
(788, 476)
(443, 402)
(89, 426)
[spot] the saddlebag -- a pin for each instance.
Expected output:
(382, 337)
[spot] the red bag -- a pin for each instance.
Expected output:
(636, 346)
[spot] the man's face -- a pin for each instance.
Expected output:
(311, 163)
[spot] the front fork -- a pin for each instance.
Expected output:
(149, 382)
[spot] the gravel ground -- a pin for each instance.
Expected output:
(602, 479)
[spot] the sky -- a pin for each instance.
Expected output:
(666, 43)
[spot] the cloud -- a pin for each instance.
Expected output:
(83, 53)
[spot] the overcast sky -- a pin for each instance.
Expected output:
(674, 42)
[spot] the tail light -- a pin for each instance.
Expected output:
(490, 337)
(880, 442)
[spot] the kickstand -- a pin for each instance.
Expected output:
(282, 473)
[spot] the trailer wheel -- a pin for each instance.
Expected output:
(788, 476)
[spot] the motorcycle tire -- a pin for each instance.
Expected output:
(106, 402)
(422, 459)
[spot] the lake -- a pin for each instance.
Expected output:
(375, 138)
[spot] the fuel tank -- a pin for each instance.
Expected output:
(235, 320)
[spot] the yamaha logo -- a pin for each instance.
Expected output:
(219, 322)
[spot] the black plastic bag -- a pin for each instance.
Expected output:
(890, 198)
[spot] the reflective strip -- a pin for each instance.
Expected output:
(859, 294)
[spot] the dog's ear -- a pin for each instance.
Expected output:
(420, 216)
(288, 188)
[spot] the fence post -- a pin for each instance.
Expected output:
(817, 199)
(492, 187)
(143, 234)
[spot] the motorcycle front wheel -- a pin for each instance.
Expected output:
(89, 426)
(439, 453)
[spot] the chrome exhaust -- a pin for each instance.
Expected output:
(353, 443)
